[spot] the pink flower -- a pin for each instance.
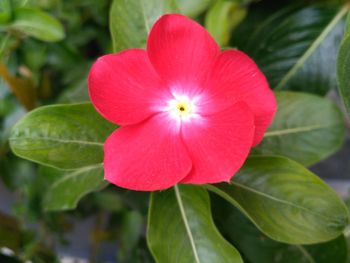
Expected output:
(188, 112)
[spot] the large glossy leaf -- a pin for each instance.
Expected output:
(343, 70)
(306, 128)
(286, 201)
(222, 18)
(297, 50)
(181, 229)
(66, 192)
(131, 20)
(258, 248)
(36, 23)
(61, 136)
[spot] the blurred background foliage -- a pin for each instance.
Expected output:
(46, 50)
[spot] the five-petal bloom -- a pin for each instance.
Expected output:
(188, 112)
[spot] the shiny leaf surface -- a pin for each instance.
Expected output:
(258, 248)
(61, 136)
(297, 50)
(181, 229)
(285, 201)
(306, 128)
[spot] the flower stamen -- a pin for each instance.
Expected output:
(181, 108)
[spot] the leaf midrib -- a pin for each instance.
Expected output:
(63, 179)
(76, 172)
(313, 47)
(296, 130)
(184, 217)
(280, 200)
(143, 11)
(57, 140)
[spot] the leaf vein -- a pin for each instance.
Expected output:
(184, 217)
(279, 200)
(312, 48)
(57, 140)
(295, 130)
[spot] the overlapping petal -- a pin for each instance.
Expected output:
(235, 77)
(125, 88)
(182, 52)
(147, 156)
(218, 144)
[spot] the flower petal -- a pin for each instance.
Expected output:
(218, 144)
(235, 77)
(147, 156)
(125, 88)
(182, 52)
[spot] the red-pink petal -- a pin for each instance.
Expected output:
(182, 52)
(235, 77)
(147, 156)
(125, 88)
(218, 144)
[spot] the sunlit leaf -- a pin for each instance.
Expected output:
(5, 11)
(130, 21)
(222, 18)
(192, 7)
(61, 136)
(36, 23)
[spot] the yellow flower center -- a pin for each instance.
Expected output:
(181, 108)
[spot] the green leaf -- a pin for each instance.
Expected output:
(258, 248)
(61, 136)
(192, 8)
(297, 50)
(181, 229)
(347, 24)
(108, 200)
(5, 11)
(306, 128)
(343, 71)
(286, 201)
(222, 18)
(65, 193)
(36, 23)
(131, 21)
(332, 251)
